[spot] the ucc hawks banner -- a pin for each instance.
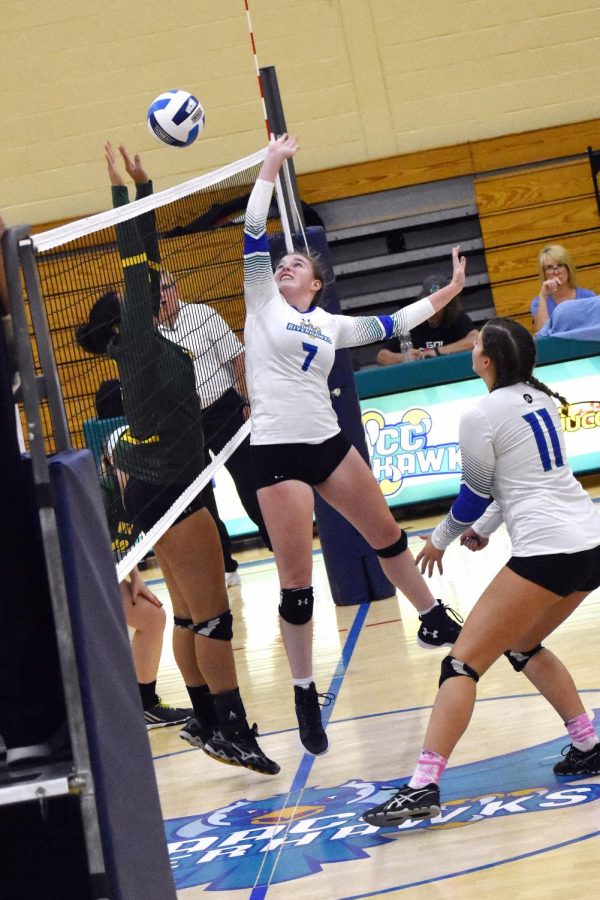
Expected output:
(412, 436)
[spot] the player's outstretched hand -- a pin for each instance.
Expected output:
(278, 150)
(283, 147)
(133, 166)
(429, 557)
(115, 176)
(459, 265)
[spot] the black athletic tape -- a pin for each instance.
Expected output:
(519, 659)
(44, 495)
(98, 885)
(218, 629)
(452, 668)
(394, 549)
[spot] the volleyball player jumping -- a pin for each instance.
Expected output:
(296, 440)
(161, 453)
(512, 450)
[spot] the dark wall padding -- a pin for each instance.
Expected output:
(131, 822)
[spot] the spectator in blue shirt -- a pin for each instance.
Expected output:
(559, 283)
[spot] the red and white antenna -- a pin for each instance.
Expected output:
(258, 75)
(281, 197)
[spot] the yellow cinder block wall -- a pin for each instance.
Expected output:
(360, 80)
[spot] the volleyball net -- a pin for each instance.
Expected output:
(199, 227)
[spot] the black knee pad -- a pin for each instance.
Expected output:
(182, 623)
(394, 549)
(296, 605)
(519, 659)
(452, 668)
(218, 629)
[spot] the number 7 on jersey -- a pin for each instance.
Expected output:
(311, 352)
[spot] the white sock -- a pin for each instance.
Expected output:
(303, 682)
(431, 608)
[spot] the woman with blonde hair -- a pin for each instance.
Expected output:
(558, 274)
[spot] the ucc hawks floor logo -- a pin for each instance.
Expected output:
(236, 846)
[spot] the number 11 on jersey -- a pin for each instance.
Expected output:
(535, 420)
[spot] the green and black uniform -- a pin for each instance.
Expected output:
(163, 444)
(123, 532)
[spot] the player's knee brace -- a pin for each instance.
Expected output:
(394, 549)
(296, 605)
(452, 668)
(519, 659)
(182, 623)
(220, 628)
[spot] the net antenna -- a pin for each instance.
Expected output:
(298, 218)
(290, 215)
(199, 226)
(290, 208)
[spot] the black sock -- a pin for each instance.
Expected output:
(148, 694)
(203, 703)
(231, 713)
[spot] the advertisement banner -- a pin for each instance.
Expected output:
(412, 436)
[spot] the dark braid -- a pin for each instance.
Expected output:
(512, 350)
(536, 383)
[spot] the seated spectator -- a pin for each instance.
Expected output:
(450, 330)
(557, 271)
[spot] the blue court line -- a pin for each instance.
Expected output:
(482, 868)
(259, 891)
(306, 763)
(270, 560)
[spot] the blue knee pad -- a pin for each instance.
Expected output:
(296, 605)
(452, 668)
(519, 659)
(394, 549)
(220, 628)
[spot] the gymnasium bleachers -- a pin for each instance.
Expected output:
(522, 211)
(384, 246)
(391, 222)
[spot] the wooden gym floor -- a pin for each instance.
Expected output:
(508, 827)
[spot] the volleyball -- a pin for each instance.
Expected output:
(176, 118)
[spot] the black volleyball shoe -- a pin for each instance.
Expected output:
(437, 629)
(407, 803)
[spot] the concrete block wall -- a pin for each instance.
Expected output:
(360, 80)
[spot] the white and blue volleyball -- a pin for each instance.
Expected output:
(176, 118)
